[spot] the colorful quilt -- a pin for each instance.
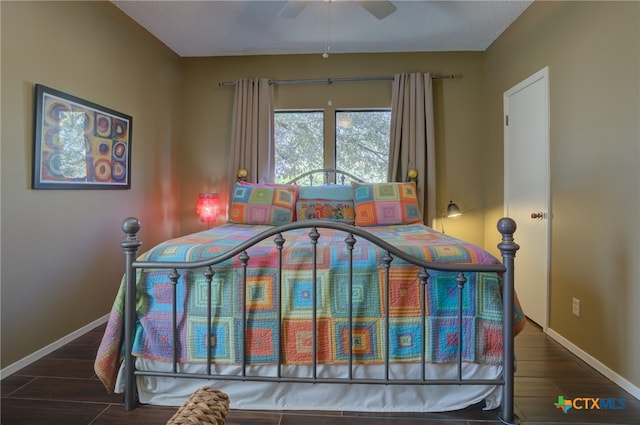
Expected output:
(482, 306)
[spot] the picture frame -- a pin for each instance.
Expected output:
(79, 144)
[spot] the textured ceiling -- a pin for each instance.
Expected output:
(231, 28)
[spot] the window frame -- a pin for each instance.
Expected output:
(330, 126)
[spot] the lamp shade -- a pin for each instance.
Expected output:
(208, 206)
(453, 210)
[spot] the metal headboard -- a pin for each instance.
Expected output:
(327, 176)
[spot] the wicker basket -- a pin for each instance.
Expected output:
(207, 406)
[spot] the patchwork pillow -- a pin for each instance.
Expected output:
(272, 204)
(325, 209)
(379, 204)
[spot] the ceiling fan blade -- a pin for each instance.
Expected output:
(293, 8)
(378, 8)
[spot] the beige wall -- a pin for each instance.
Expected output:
(61, 260)
(206, 116)
(593, 53)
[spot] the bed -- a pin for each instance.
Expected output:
(329, 297)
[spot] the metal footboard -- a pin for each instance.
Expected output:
(508, 248)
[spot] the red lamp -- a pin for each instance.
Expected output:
(208, 207)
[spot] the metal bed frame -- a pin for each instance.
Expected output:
(507, 247)
(327, 176)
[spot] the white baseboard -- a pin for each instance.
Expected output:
(595, 363)
(31, 358)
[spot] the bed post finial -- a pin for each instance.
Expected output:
(131, 226)
(507, 227)
(412, 175)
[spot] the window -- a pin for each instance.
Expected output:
(299, 143)
(358, 143)
(362, 143)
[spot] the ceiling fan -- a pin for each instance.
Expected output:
(378, 8)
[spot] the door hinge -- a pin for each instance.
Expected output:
(506, 120)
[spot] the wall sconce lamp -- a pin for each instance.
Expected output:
(453, 210)
(208, 207)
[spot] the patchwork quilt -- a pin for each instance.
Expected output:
(482, 305)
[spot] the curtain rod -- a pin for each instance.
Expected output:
(334, 80)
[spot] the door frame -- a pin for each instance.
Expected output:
(543, 75)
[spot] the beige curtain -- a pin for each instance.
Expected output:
(252, 146)
(412, 143)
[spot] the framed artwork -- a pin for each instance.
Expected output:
(79, 144)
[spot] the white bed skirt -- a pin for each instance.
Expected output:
(326, 397)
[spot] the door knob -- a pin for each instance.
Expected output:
(537, 215)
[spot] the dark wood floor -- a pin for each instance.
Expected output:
(63, 389)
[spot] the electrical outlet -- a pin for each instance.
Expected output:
(576, 307)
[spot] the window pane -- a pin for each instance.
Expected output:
(299, 143)
(362, 143)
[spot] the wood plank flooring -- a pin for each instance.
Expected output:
(62, 388)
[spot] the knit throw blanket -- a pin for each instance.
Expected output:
(482, 302)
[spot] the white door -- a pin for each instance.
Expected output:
(526, 189)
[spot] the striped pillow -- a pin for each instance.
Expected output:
(336, 192)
